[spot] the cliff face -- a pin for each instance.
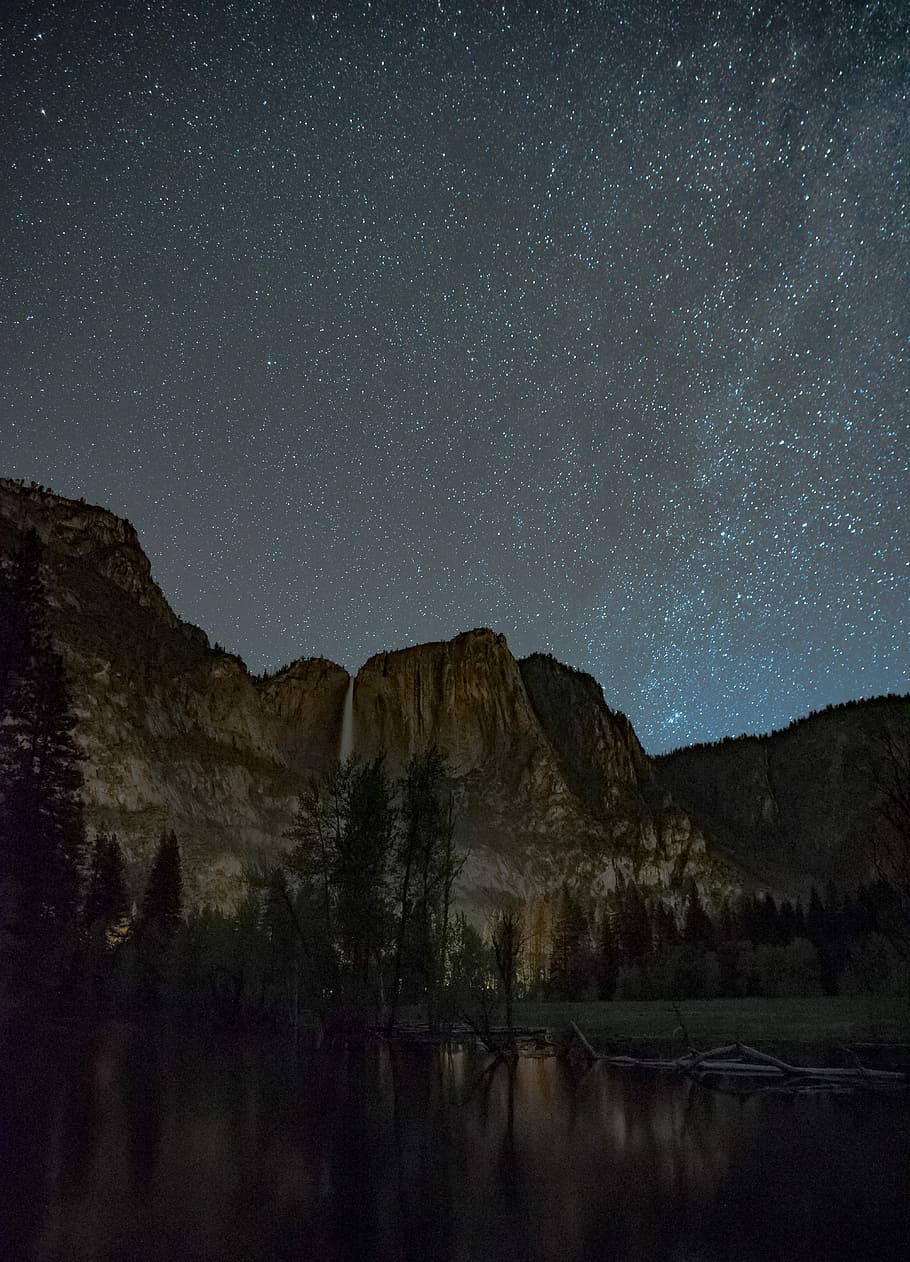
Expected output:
(599, 751)
(87, 542)
(465, 695)
(798, 805)
(549, 783)
(304, 704)
(175, 734)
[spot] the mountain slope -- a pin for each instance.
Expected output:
(797, 805)
(549, 782)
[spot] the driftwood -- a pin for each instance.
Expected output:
(732, 1063)
(737, 1061)
(495, 1039)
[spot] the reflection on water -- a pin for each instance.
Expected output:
(123, 1144)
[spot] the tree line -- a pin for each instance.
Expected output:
(639, 944)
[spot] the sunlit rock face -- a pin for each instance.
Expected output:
(548, 783)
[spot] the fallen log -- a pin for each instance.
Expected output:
(737, 1060)
(592, 1055)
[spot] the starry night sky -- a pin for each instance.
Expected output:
(382, 321)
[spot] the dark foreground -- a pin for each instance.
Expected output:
(124, 1143)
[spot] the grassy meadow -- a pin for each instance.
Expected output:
(830, 1020)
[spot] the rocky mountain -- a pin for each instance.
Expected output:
(549, 782)
(175, 733)
(798, 805)
(532, 810)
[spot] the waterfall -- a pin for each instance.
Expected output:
(346, 746)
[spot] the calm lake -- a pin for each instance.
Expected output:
(128, 1144)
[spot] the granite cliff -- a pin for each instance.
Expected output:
(177, 733)
(531, 809)
(800, 805)
(550, 783)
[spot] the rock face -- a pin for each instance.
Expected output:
(176, 734)
(799, 805)
(600, 754)
(550, 784)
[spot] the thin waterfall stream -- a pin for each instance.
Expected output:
(346, 744)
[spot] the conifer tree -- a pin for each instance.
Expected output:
(107, 900)
(423, 868)
(697, 927)
(160, 919)
(344, 833)
(571, 964)
(105, 914)
(816, 920)
(769, 916)
(41, 826)
(607, 957)
(633, 924)
(666, 930)
(162, 903)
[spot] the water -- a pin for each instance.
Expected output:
(121, 1144)
(346, 745)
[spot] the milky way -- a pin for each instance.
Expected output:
(380, 322)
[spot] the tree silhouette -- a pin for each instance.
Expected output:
(105, 914)
(107, 899)
(424, 867)
(508, 939)
(698, 929)
(162, 903)
(42, 836)
(571, 965)
(344, 832)
(160, 919)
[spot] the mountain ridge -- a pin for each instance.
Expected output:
(552, 784)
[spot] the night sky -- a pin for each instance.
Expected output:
(585, 322)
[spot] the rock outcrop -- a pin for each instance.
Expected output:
(176, 734)
(601, 756)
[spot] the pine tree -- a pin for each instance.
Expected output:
(105, 914)
(607, 957)
(633, 924)
(41, 826)
(697, 927)
(799, 919)
(769, 916)
(107, 900)
(571, 962)
(423, 867)
(344, 833)
(816, 920)
(162, 903)
(786, 921)
(666, 930)
(160, 919)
